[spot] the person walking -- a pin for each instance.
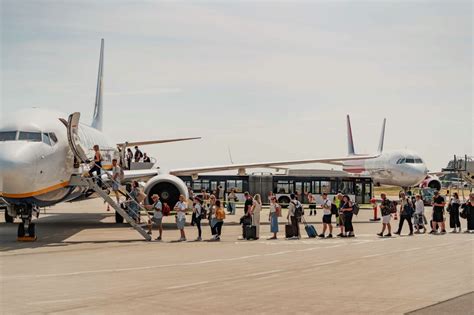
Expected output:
(197, 216)
(157, 215)
(326, 205)
(386, 211)
(346, 209)
(453, 210)
(133, 204)
(340, 214)
(218, 217)
(406, 213)
(97, 166)
(255, 213)
(438, 213)
(419, 215)
(468, 213)
(116, 177)
(275, 212)
(292, 216)
(312, 204)
(129, 157)
(211, 212)
(180, 209)
(231, 200)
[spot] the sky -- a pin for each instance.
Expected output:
(264, 80)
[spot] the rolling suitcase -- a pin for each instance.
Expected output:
(289, 230)
(250, 232)
(310, 229)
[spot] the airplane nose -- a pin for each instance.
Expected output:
(17, 167)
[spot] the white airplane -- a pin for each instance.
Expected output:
(398, 168)
(40, 151)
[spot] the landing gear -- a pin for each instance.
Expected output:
(26, 229)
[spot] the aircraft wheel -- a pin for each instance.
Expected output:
(118, 218)
(8, 218)
(21, 230)
(31, 230)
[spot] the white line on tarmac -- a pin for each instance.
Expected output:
(374, 255)
(187, 285)
(326, 263)
(264, 273)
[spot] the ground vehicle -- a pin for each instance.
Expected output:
(295, 181)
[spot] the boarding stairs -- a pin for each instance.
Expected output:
(91, 183)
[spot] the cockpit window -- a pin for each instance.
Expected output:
(53, 138)
(30, 136)
(410, 160)
(401, 161)
(418, 161)
(46, 139)
(7, 135)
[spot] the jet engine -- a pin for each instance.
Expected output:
(431, 182)
(168, 187)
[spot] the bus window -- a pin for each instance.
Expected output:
(325, 187)
(236, 184)
(197, 185)
(346, 187)
(283, 187)
(316, 187)
(205, 184)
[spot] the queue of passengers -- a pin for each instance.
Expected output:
(211, 209)
(137, 156)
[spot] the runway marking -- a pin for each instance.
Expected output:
(374, 255)
(265, 273)
(59, 301)
(278, 253)
(267, 277)
(187, 285)
(326, 263)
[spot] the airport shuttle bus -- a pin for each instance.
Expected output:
(299, 182)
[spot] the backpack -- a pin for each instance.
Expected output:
(299, 212)
(166, 209)
(220, 214)
(408, 209)
(355, 208)
(333, 209)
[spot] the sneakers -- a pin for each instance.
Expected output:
(321, 235)
(388, 235)
(182, 239)
(380, 234)
(411, 234)
(432, 232)
(453, 231)
(158, 238)
(443, 232)
(340, 235)
(198, 239)
(397, 233)
(329, 236)
(351, 235)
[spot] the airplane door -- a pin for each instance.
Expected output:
(74, 139)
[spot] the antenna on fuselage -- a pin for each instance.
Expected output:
(382, 136)
(97, 118)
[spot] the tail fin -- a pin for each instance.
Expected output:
(382, 136)
(350, 141)
(97, 119)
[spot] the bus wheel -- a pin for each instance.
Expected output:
(284, 201)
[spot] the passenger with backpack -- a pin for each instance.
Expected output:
(419, 216)
(438, 214)
(327, 215)
(406, 213)
(157, 217)
(468, 213)
(275, 212)
(295, 210)
(386, 208)
(347, 212)
(340, 214)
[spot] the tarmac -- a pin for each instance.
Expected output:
(83, 263)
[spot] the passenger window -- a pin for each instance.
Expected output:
(7, 135)
(46, 139)
(30, 136)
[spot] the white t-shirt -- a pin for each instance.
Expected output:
(326, 206)
(116, 172)
(419, 207)
(182, 207)
(158, 210)
(197, 208)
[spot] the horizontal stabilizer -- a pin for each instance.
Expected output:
(137, 143)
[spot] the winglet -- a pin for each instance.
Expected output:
(382, 136)
(97, 118)
(350, 140)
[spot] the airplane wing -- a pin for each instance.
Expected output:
(136, 143)
(273, 164)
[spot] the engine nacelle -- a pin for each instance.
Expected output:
(431, 182)
(168, 187)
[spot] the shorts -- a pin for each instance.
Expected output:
(438, 216)
(156, 220)
(327, 218)
(386, 219)
(180, 223)
(312, 207)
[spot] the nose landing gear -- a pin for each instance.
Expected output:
(26, 229)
